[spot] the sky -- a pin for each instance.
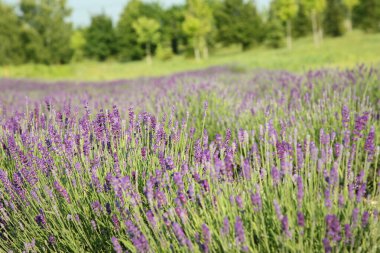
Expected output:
(82, 10)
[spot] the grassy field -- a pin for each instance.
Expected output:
(347, 51)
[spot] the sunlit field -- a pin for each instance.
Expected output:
(354, 48)
(225, 159)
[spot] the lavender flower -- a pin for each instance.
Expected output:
(285, 226)
(300, 190)
(369, 145)
(239, 231)
(365, 218)
(62, 191)
(40, 219)
(300, 219)
(116, 245)
(333, 228)
(225, 230)
(347, 233)
(345, 116)
(206, 238)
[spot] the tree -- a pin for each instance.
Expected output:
(10, 32)
(315, 9)
(274, 35)
(349, 4)
(100, 38)
(238, 22)
(198, 23)
(147, 34)
(286, 10)
(78, 44)
(301, 22)
(46, 33)
(334, 18)
(129, 47)
(367, 15)
(172, 27)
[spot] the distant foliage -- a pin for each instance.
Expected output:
(100, 38)
(367, 15)
(275, 35)
(10, 35)
(45, 31)
(238, 22)
(39, 31)
(147, 30)
(333, 23)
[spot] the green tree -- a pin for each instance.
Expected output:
(301, 22)
(147, 30)
(46, 32)
(315, 9)
(367, 15)
(129, 47)
(198, 24)
(334, 18)
(100, 38)
(286, 10)
(77, 44)
(172, 27)
(349, 4)
(274, 33)
(10, 32)
(238, 22)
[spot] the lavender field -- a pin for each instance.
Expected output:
(218, 160)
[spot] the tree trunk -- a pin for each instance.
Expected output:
(289, 34)
(205, 52)
(148, 54)
(349, 21)
(315, 27)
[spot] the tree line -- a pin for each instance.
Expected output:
(39, 31)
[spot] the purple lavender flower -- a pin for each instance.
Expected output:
(115, 222)
(360, 193)
(62, 191)
(277, 209)
(97, 207)
(177, 178)
(345, 116)
(326, 245)
(151, 218)
(180, 235)
(256, 201)
(275, 176)
(239, 231)
(300, 219)
(285, 226)
(116, 245)
(40, 219)
(355, 214)
(365, 218)
(328, 202)
(206, 238)
(360, 124)
(347, 233)
(52, 240)
(300, 190)
(239, 202)
(225, 230)
(333, 228)
(369, 145)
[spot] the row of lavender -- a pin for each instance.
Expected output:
(210, 161)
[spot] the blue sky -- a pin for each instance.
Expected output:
(84, 9)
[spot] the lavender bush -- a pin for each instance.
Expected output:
(209, 161)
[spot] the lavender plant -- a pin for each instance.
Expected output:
(209, 161)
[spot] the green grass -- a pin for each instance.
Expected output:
(346, 51)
